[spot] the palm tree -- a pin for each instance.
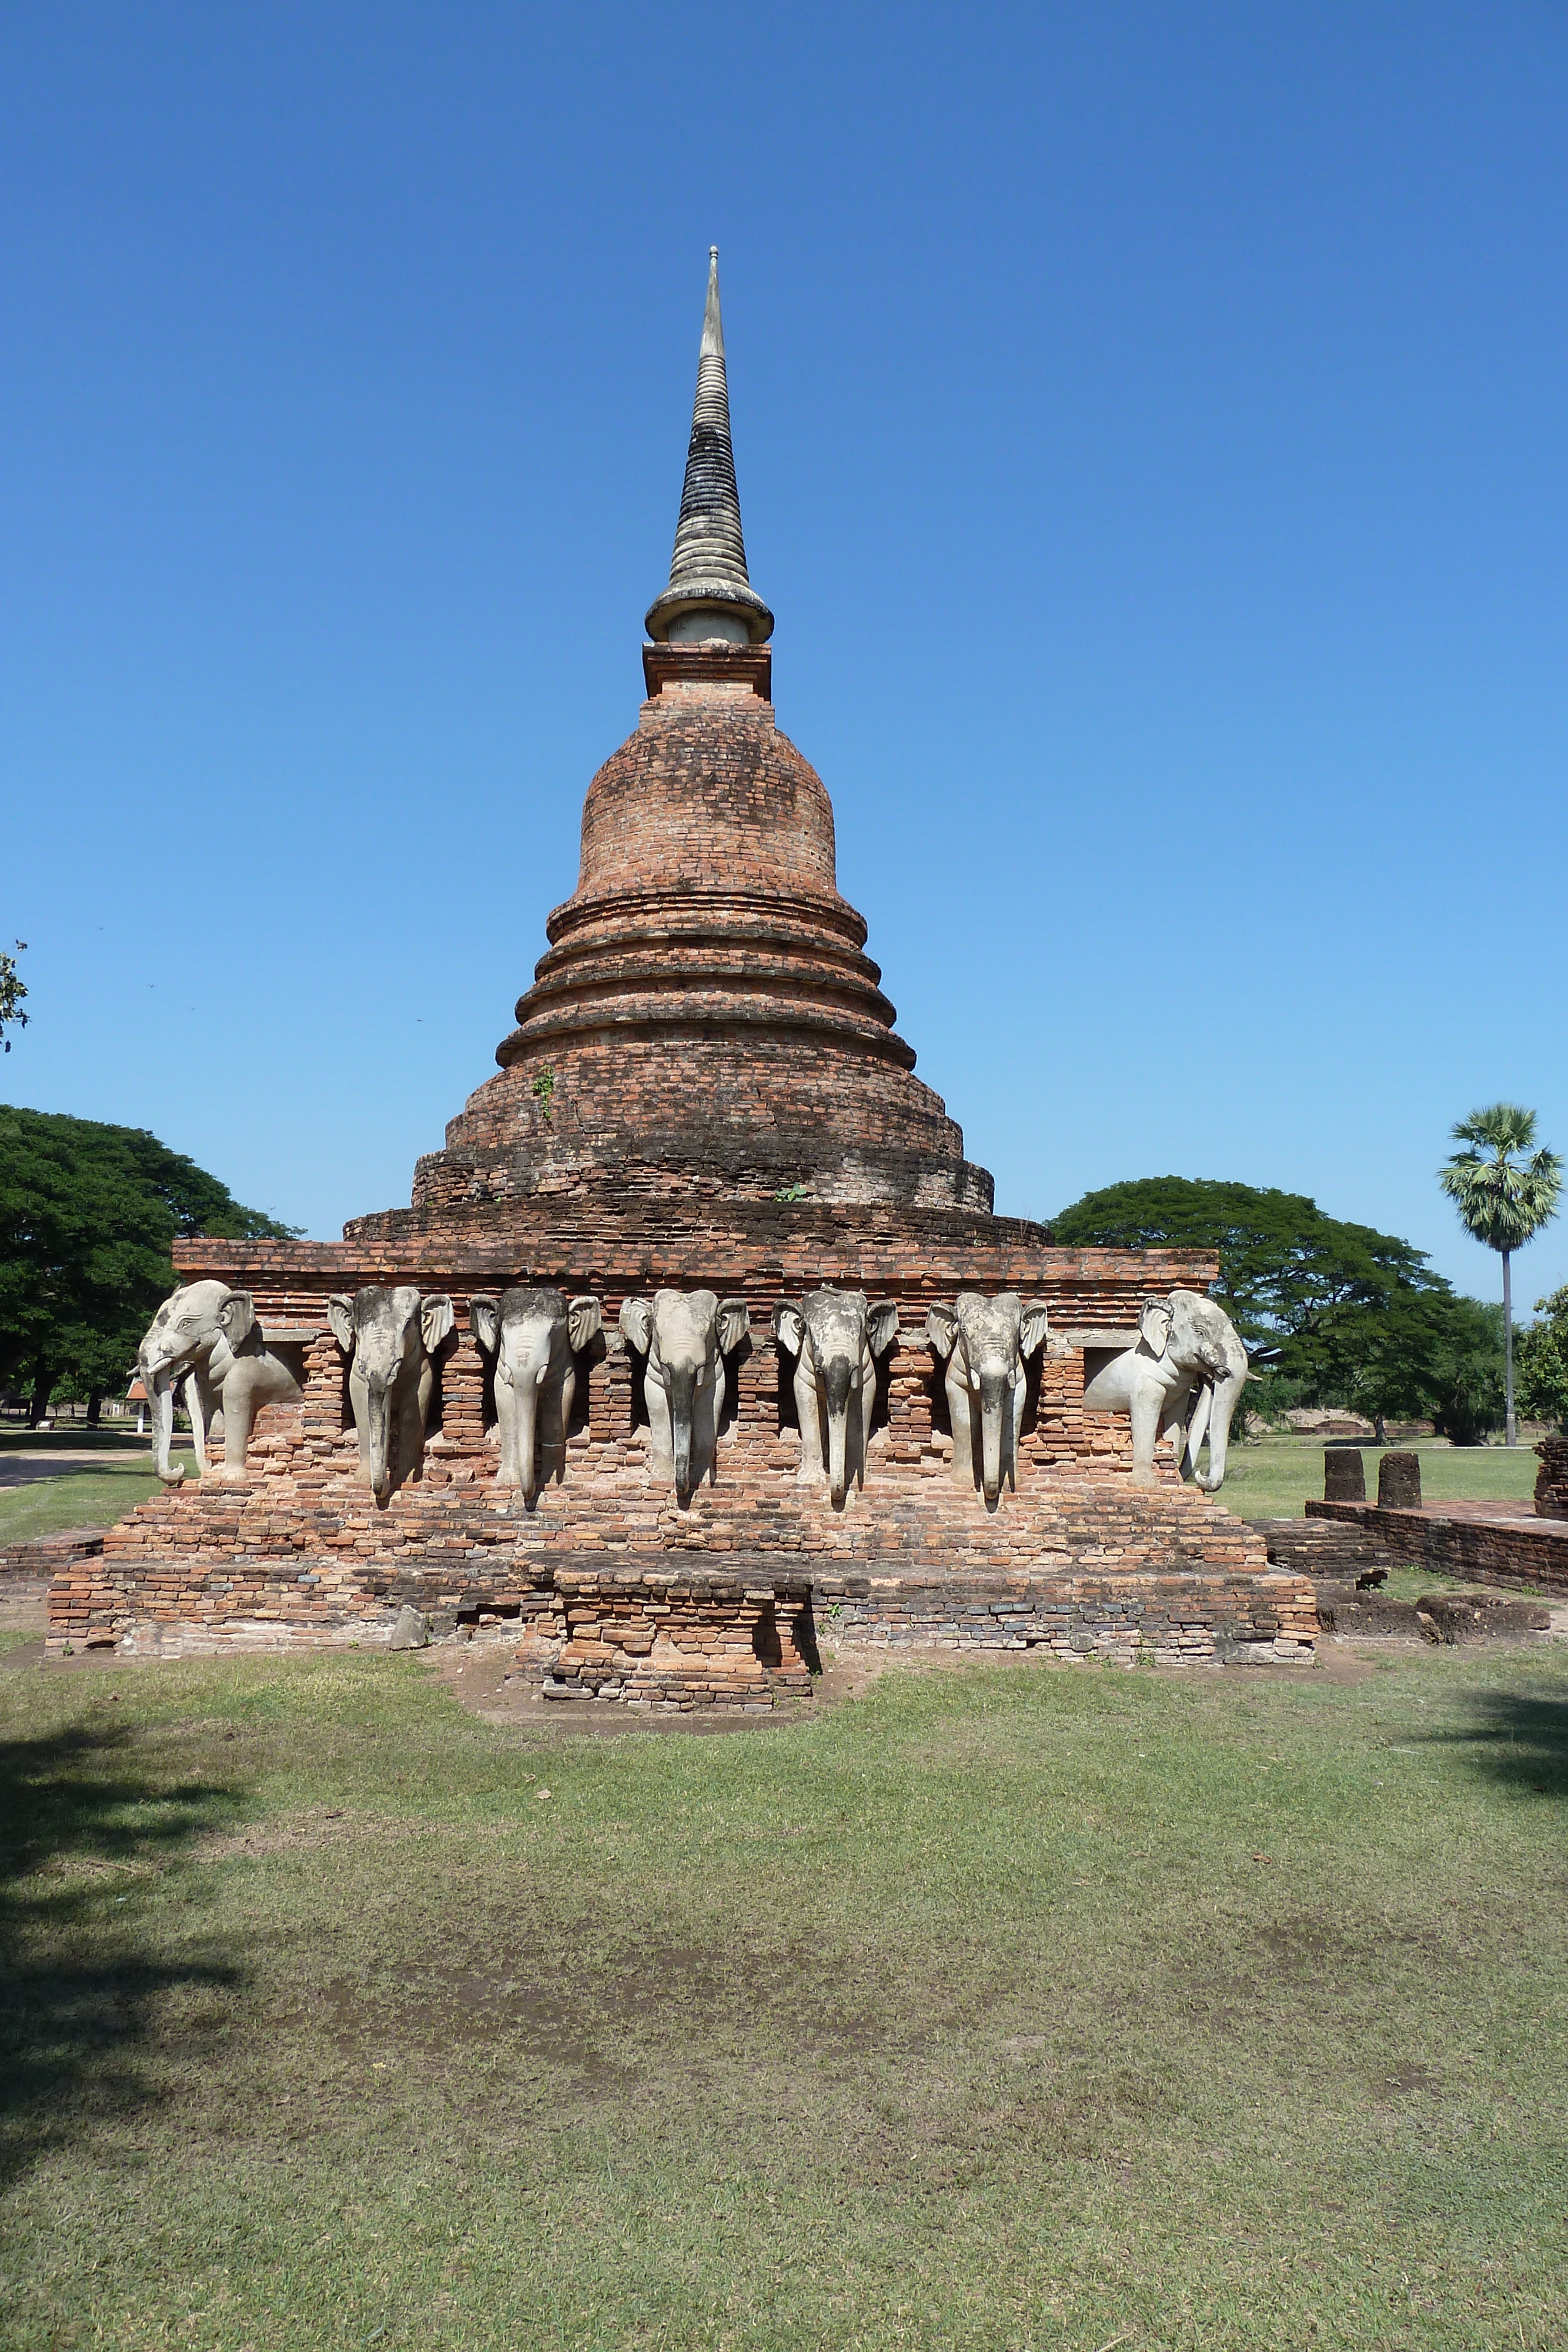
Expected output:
(1502, 1201)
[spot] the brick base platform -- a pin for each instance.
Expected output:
(1482, 1548)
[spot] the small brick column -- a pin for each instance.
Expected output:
(1399, 1481)
(1344, 1474)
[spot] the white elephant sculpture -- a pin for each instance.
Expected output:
(685, 1335)
(985, 1345)
(535, 1338)
(389, 1337)
(1182, 1379)
(835, 1338)
(206, 1335)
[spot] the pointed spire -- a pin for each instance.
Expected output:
(710, 594)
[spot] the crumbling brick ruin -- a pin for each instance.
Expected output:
(704, 1091)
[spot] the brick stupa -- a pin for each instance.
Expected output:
(705, 1088)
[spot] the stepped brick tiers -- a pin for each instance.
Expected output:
(491, 1411)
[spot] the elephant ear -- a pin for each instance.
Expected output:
(435, 1320)
(1155, 1325)
(584, 1318)
(484, 1322)
(734, 1323)
(237, 1318)
(880, 1325)
(340, 1316)
(789, 1325)
(1035, 1329)
(941, 1328)
(637, 1324)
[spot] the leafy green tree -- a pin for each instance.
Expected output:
(1542, 1355)
(13, 989)
(1332, 1313)
(88, 1216)
(1502, 1198)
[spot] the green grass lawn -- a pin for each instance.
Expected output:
(80, 1494)
(1273, 1480)
(1001, 2009)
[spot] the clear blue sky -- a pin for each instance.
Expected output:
(1151, 430)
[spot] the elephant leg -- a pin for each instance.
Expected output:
(412, 1419)
(1148, 1406)
(859, 1437)
(660, 1436)
(359, 1399)
(808, 1412)
(704, 1434)
(1196, 1430)
(239, 1412)
(508, 1472)
(557, 1402)
(1015, 1427)
(964, 1471)
(196, 1407)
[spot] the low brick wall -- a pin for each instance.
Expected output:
(29, 1569)
(1512, 1552)
(1122, 1620)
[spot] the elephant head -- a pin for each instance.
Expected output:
(536, 1337)
(986, 1344)
(1196, 1337)
(835, 1338)
(685, 1335)
(389, 1337)
(193, 1321)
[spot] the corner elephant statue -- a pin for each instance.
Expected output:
(685, 1335)
(535, 1338)
(389, 1337)
(207, 1336)
(1186, 1344)
(835, 1338)
(985, 1345)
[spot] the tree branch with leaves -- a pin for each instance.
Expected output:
(13, 989)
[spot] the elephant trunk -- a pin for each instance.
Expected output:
(682, 1389)
(996, 1399)
(836, 1392)
(1226, 1393)
(528, 1396)
(379, 1400)
(159, 1382)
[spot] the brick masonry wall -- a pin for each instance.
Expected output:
(1512, 1552)
(29, 1569)
(1552, 1478)
(302, 1551)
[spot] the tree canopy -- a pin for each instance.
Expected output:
(88, 1214)
(1503, 1199)
(1542, 1362)
(1338, 1313)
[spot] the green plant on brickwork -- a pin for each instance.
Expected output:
(790, 1193)
(543, 1092)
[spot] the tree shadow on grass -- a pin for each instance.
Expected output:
(1518, 1739)
(83, 1993)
